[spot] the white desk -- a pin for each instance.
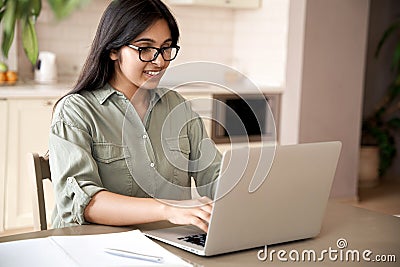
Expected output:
(362, 229)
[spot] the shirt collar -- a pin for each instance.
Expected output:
(104, 93)
(155, 95)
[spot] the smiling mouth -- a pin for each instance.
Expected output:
(152, 73)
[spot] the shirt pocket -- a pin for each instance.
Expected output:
(112, 162)
(179, 144)
(178, 156)
(108, 152)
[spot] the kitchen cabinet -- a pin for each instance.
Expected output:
(25, 128)
(3, 142)
(218, 3)
(202, 104)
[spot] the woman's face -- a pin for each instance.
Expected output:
(130, 72)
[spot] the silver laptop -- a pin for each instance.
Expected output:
(264, 195)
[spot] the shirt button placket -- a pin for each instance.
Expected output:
(145, 138)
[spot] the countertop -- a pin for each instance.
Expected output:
(204, 88)
(34, 90)
(55, 90)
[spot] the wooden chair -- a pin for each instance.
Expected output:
(39, 170)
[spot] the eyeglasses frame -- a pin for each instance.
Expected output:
(159, 51)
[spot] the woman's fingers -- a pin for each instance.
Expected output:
(201, 217)
(196, 221)
(205, 204)
(204, 215)
(195, 211)
(207, 208)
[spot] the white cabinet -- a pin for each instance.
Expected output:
(25, 128)
(202, 104)
(3, 150)
(218, 3)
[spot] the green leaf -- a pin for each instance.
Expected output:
(397, 80)
(1, 14)
(394, 91)
(3, 3)
(394, 123)
(8, 27)
(386, 35)
(29, 40)
(63, 8)
(36, 7)
(396, 58)
(387, 150)
(28, 8)
(9, 17)
(7, 42)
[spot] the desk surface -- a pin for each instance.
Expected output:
(362, 230)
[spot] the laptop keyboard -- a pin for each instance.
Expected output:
(199, 239)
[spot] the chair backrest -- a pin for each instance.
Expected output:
(39, 170)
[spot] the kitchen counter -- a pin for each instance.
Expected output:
(55, 90)
(204, 88)
(34, 90)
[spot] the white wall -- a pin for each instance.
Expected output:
(324, 80)
(206, 34)
(290, 111)
(260, 40)
(332, 82)
(220, 35)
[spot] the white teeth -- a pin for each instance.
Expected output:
(153, 72)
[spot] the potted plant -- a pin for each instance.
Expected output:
(25, 12)
(382, 126)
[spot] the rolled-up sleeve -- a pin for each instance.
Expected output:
(74, 172)
(204, 155)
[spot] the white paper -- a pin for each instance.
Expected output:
(32, 252)
(86, 250)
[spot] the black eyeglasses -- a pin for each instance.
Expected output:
(149, 53)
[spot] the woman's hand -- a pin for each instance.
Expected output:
(194, 211)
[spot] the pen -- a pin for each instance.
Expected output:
(133, 255)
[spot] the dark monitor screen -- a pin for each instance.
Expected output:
(245, 117)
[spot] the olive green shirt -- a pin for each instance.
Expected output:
(99, 142)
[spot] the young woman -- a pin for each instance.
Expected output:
(117, 155)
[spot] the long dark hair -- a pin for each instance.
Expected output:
(122, 21)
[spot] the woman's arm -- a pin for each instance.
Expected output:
(113, 209)
(205, 156)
